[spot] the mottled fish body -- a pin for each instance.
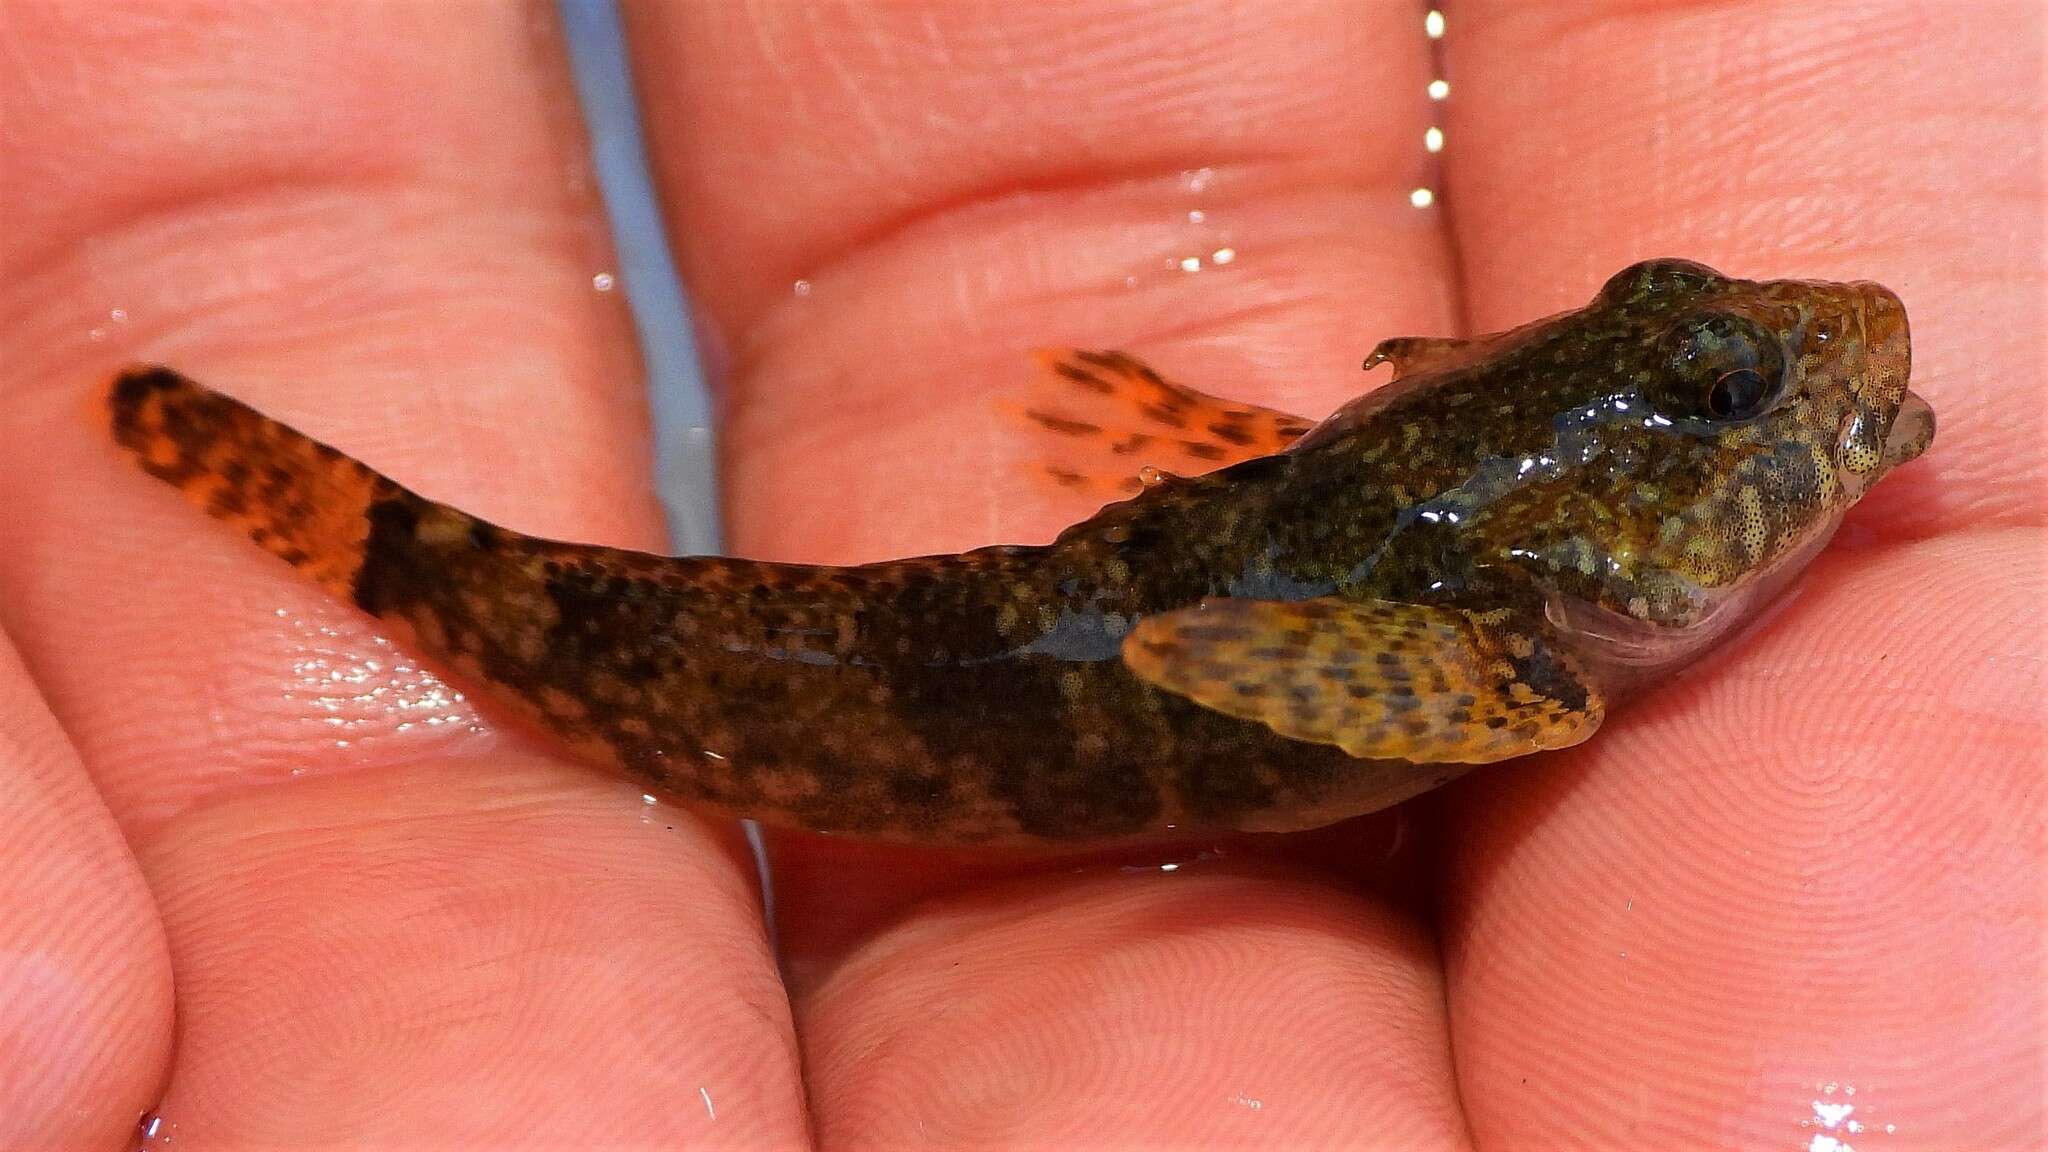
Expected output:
(1464, 566)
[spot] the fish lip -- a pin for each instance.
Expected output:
(1912, 430)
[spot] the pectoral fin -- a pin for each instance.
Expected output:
(1115, 416)
(1379, 679)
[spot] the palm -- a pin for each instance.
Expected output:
(1812, 864)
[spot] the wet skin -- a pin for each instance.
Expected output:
(1467, 565)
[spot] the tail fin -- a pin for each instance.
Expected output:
(488, 602)
(299, 499)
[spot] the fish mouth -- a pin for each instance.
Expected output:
(1911, 432)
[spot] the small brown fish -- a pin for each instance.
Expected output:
(1470, 564)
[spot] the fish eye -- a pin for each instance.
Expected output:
(1723, 366)
(1737, 394)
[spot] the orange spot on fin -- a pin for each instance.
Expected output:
(1114, 417)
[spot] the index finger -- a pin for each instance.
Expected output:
(881, 210)
(389, 920)
(1794, 898)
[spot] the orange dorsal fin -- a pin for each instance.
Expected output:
(1112, 418)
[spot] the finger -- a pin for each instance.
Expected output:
(1799, 889)
(1793, 898)
(390, 918)
(85, 983)
(880, 211)
(1208, 1005)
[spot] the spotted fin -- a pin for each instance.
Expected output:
(1379, 679)
(1116, 417)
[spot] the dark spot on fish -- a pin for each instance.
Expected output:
(1064, 426)
(1162, 415)
(1083, 377)
(915, 791)
(389, 576)
(228, 502)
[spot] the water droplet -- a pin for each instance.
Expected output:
(1422, 198)
(1191, 264)
(603, 281)
(801, 288)
(1831, 1115)
(1433, 25)
(118, 315)
(1223, 256)
(1439, 89)
(1196, 215)
(1433, 140)
(154, 1128)
(1198, 179)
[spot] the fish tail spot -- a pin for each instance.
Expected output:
(295, 497)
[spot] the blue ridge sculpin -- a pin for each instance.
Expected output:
(1469, 564)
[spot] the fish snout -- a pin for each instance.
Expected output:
(1887, 343)
(1887, 424)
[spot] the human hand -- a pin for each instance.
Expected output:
(1813, 863)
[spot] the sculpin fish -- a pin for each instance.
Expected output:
(1472, 563)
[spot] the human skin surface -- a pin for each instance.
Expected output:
(1812, 867)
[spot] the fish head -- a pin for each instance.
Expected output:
(1714, 433)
